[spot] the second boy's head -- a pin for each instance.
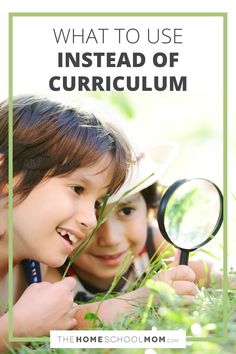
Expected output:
(125, 231)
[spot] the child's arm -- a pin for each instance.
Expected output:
(42, 307)
(181, 279)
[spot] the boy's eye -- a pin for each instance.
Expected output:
(127, 211)
(78, 189)
(97, 205)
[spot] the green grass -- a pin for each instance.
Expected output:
(202, 318)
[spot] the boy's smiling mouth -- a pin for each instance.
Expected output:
(111, 259)
(71, 237)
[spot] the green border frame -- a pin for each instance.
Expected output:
(223, 15)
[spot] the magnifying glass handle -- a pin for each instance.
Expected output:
(184, 257)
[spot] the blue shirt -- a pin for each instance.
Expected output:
(32, 271)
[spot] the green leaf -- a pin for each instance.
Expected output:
(159, 287)
(91, 316)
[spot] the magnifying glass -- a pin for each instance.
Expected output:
(190, 214)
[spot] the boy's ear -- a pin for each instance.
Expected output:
(5, 188)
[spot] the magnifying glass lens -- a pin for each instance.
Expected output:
(190, 214)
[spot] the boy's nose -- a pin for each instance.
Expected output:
(86, 218)
(108, 234)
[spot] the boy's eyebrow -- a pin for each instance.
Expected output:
(84, 180)
(132, 199)
(79, 179)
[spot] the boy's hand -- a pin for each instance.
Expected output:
(44, 306)
(181, 278)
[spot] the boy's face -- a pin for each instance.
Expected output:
(59, 213)
(124, 231)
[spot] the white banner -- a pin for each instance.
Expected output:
(118, 339)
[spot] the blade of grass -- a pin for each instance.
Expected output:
(116, 279)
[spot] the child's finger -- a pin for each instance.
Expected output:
(74, 309)
(72, 322)
(187, 299)
(69, 282)
(182, 272)
(185, 288)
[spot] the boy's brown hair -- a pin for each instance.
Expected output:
(50, 139)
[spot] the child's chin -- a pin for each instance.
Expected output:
(56, 263)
